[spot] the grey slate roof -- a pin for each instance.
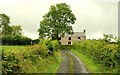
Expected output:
(75, 34)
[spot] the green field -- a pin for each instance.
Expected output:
(10, 48)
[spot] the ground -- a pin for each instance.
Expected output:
(71, 64)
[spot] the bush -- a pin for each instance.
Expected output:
(101, 52)
(34, 59)
(15, 40)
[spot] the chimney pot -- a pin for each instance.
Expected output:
(84, 31)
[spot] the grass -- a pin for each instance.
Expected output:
(89, 63)
(54, 66)
(14, 48)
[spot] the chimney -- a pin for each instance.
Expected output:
(84, 31)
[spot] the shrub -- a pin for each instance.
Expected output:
(34, 59)
(101, 52)
(15, 40)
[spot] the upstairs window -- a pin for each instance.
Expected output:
(59, 38)
(69, 38)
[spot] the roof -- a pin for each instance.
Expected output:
(75, 34)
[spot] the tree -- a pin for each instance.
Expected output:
(16, 30)
(108, 37)
(4, 20)
(7, 30)
(4, 23)
(57, 22)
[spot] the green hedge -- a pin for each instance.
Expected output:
(101, 52)
(33, 59)
(15, 40)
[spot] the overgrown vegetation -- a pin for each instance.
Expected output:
(31, 59)
(45, 56)
(101, 52)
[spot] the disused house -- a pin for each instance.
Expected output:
(70, 39)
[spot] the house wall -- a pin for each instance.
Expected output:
(65, 40)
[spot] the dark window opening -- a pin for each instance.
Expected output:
(79, 38)
(69, 38)
(69, 42)
(60, 42)
(59, 38)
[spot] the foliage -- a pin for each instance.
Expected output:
(44, 41)
(32, 59)
(35, 41)
(53, 45)
(101, 52)
(15, 40)
(4, 24)
(16, 30)
(6, 28)
(57, 21)
(4, 21)
(65, 47)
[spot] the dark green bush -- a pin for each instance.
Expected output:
(15, 40)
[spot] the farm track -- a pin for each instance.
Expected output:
(71, 64)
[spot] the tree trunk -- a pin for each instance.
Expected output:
(55, 37)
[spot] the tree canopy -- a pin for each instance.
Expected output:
(6, 29)
(4, 24)
(4, 20)
(57, 22)
(16, 30)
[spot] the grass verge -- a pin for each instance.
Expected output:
(89, 63)
(53, 66)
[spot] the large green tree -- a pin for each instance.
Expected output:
(57, 22)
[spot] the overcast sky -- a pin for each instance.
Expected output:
(95, 16)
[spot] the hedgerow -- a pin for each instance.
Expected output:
(101, 52)
(35, 59)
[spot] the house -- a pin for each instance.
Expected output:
(70, 39)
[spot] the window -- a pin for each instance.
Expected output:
(59, 38)
(69, 42)
(60, 42)
(69, 38)
(79, 38)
